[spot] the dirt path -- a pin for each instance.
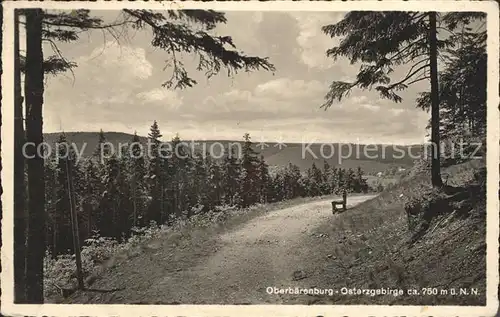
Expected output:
(266, 251)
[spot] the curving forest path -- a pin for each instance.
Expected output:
(234, 267)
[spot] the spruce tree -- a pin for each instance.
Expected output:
(215, 184)
(155, 175)
(264, 180)
(181, 163)
(295, 176)
(360, 182)
(384, 40)
(102, 151)
(326, 185)
(62, 226)
(231, 174)
(91, 198)
(350, 180)
(200, 186)
(316, 179)
(139, 187)
(51, 199)
(111, 199)
(34, 88)
(249, 175)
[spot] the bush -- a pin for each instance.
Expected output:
(422, 204)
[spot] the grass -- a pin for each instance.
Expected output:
(371, 247)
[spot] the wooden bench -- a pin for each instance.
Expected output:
(342, 203)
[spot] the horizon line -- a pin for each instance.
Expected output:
(235, 140)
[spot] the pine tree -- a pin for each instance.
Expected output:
(334, 179)
(360, 184)
(341, 180)
(249, 174)
(231, 174)
(155, 175)
(111, 199)
(51, 199)
(326, 185)
(181, 163)
(382, 40)
(315, 178)
(34, 88)
(294, 177)
(125, 217)
(138, 174)
(91, 198)
(101, 152)
(200, 186)
(214, 183)
(62, 223)
(350, 180)
(264, 180)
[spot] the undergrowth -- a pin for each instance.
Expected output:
(371, 245)
(465, 185)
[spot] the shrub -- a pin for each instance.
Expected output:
(422, 204)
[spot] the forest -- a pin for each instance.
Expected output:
(117, 193)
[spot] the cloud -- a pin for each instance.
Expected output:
(104, 88)
(244, 35)
(162, 97)
(312, 41)
(283, 96)
(370, 107)
(289, 88)
(124, 61)
(118, 88)
(290, 107)
(237, 95)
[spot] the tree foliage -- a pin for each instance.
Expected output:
(173, 33)
(462, 86)
(381, 41)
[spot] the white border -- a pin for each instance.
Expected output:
(492, 234)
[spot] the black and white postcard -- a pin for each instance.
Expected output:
(255, 158)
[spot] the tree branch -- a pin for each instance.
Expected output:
(417, 80)
(408, 76)
(59, 53)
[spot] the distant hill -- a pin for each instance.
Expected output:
(371, 158)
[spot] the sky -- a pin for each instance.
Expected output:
(117, 87)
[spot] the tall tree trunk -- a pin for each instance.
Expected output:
(36, 193)
(19, 182)
(435, 122)
(74, 224)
